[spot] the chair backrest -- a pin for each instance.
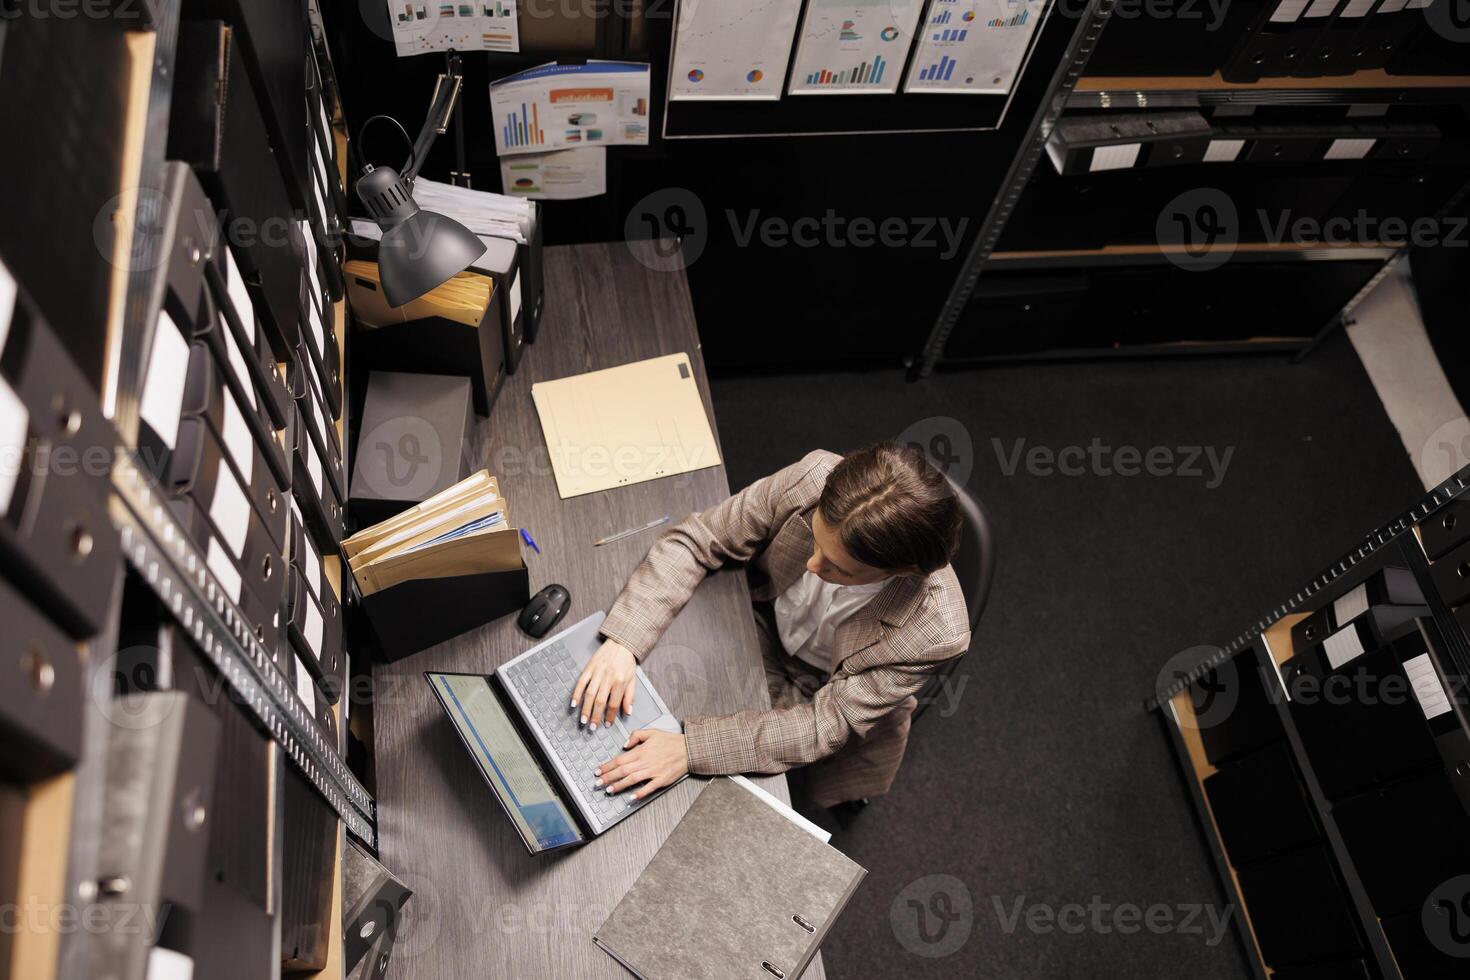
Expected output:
(974, 566)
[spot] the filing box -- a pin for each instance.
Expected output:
(321, 509)
(41, 699)
(206, 396)
(1391, 586)
(413, 442)
(1429, 944)
(204, 469)
(1451, 574)
(501, 262)
(235, 336)
(1376, 627)
(1236, 710)
(1299, 907)
(322, 435)
(253, 577)
(372, 902)
(319, 340)
(315, 628)
(316, 703)
(1088, 143)
(418, 614)
(215, 125)
(1261, 806)
(1445, 528)
(309, 851)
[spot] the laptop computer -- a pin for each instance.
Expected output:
(530, 745)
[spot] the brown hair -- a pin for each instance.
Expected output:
(892, 509)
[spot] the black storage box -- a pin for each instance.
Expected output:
(1235, 710)
(1261, 805)
(412, 443)
(1299, 907)
(415, 615)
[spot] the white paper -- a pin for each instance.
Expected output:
(225, 572)
(168, 964)
(973, 46)
(163, 382)
(561, 175)
(485, 213)
(1321, 8)
(229, 510)
(1287, 11)
(1343, 149)
(304, 689)
(7, 303)
(851, 46)
(556, 106)
(1428, 689)
(1119, 157)
(783, 809)
(1223, 151)
(313, 629)
(1350, 606)
(421, 26)
(1357, 8)
(731, 51)
(515, 295)
(239, 293)
(1343, 647)
(239, 443)
(1392, 6)
(14, 420)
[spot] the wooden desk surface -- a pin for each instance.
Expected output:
(483, 907)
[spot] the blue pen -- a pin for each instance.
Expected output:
(526, 537)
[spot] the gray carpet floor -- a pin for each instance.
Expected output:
(1039, 827)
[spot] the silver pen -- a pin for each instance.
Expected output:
(630, 532)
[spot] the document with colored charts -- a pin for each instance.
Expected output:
(561, 175)
(552, 107)
(973, 46)
(731, 51)
(421, 26)
(854, 46)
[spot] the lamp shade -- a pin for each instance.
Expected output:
(420, 249)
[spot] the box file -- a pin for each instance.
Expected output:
(321, 509)
(236, 342)
(1388, 586)
(1261, 806)
(252, 575)
(306, 558)
(1451, 575)
(189, 239)
(215, 125)
(439, 346)
(1422, 956)
(1236, 709)
(309, 850)
(372, 902)
(315, 629)
(1121, 141)
(501, 261)
(41, 699)
(319, 342)
(1405, 839)
(413, 442)
(155, 825)
(322, 437)
(316, 702)
(201, 467)
(242, 432)
(1299, 907)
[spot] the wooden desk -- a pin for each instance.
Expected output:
(483, 907)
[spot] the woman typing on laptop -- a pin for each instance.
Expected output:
(855, 608)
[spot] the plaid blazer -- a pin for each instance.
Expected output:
(882, 654)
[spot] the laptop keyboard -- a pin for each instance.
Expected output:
(545, 682)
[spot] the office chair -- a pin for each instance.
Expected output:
(974, 565)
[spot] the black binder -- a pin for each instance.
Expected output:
(1261, 806)
(308, 853)
(1451, 574)
(322, 435)
(1389, 586)
(372, 902)
(319, 342)
(204, 468)
(206, 395)
(1236, 709)
(321, 508)
(41, 700)
(315, 629)
(415, 615)
(1299, 907)
(235, 337)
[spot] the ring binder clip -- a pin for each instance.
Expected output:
(772, 970)
(804, 924)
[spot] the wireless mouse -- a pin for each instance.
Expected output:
(544, 611)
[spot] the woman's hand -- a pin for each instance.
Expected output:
(657, 759)
(607, 683)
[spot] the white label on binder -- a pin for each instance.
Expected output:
(1119, 157)
(515, 297)
(230, 511)
(1343, 647)
(1427, 687)
(225, 572)
(1349, 607)
(313, 630)
(1357, 8)
(163, 382)
(314, 469)
(1348, 149)
(1223, 151)
(312, 562)
(321, 206)
(7, 302)
(1392, 6)
(168, 964)
(1419, 4)
(1321, 8)
(321, 106)
(314, 319)
(1288, 11)
(239, 292)
(237, 359)
(13, 422)
(239, 443)
(304, 690)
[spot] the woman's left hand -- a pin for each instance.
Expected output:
(655, 758)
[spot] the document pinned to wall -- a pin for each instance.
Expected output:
(421, 26)
(731, 51)
(854, 46)
(552, 107)
(973, 46)
(561, 175)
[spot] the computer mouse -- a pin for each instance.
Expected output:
(544, 611)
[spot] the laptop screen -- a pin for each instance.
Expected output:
(529, 797)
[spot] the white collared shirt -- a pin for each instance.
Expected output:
(809, 612)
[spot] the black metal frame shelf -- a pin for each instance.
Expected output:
(1128, 255)
(1131, 94)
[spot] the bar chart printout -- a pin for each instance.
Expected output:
(421, 26)
(730, 50)
(552, 106)
(973, 46)
(853, 46)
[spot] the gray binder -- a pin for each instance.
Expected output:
(738, 890)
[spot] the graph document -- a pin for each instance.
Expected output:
(420, 27)
(853, 46)
(973, 46)
(730, 50)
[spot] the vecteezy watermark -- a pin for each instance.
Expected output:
(103, 918)
(947, 444)
(932, 916)
(1102, 917)
(1446, 451)
(833, 230)
(1446, 917)
(412, 462)
(71, 9)
(1097, 458)
(1199, 229)
(1214, 692)
(1450, 19)
(1212, 12)
(1360, 226)
(674, 221)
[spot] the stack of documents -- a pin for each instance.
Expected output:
(464, 298)
(464, 530)
(482, 212)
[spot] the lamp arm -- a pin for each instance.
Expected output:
(441, 109)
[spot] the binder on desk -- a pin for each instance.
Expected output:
(625, 425)
(739, 889)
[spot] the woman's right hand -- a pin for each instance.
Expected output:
(607, 683)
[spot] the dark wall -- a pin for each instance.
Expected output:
(761, 304)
